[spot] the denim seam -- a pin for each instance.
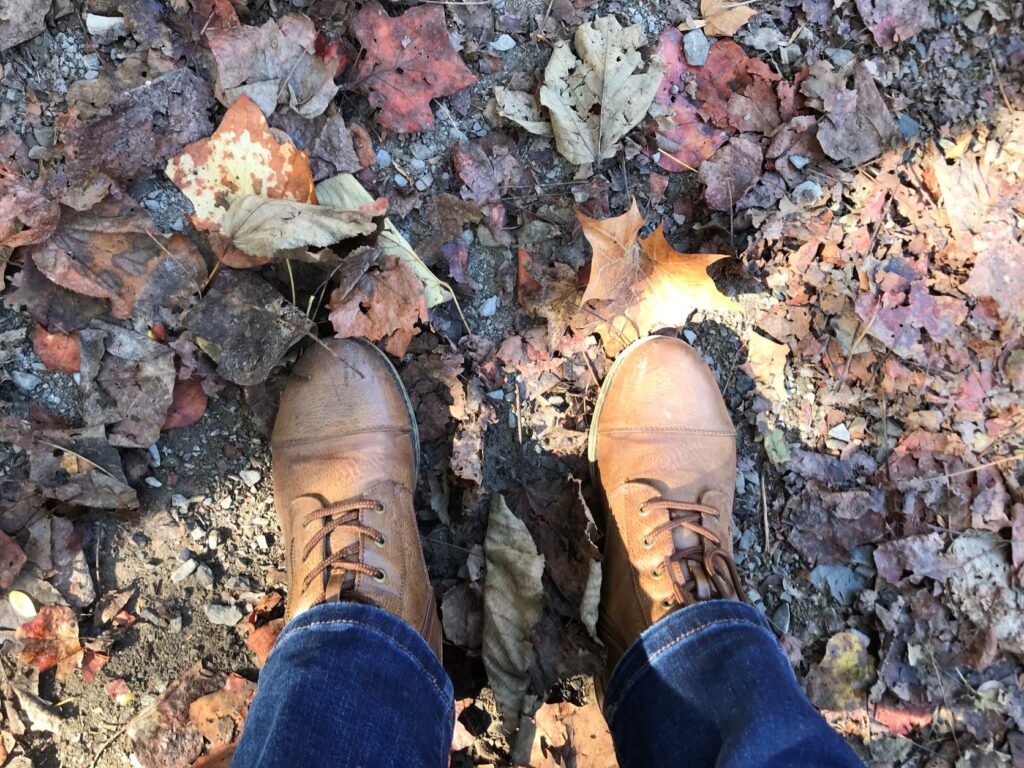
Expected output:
(401, 646)
(628, 685)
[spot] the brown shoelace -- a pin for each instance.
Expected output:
(344, 515)
(707, 554)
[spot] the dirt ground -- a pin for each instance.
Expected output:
(205, 533)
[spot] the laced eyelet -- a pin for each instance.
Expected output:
(643, 511)
(647, 543)
(381, 541)
(666, 604)
(657, 573)
(378, 509)
(380, 577)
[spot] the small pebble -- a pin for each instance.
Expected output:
(140, 539)
(183, 571)
(204, 575)
(25, 381)
(497, 394)
(154, 455)
(503, 43)
(690, 336)
(490, 307)
(781, 618)
(799, 161)
(225, 615)
(250, 477)
(696, 46)
(184, 555)
(152, 482)
(401, 181)
(383, 158)
(213, 540)
(262, 543)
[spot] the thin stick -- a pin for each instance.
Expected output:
(117, 734)
(999, 81)
(291, 280)
(447, 113)
(997, 463)
(764, 510)
(675, 159)
(77, 455)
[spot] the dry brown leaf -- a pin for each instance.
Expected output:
(276, 63)
(723, 18)
(766, 364)
(58, 351)
(595, 100)
(646, 284)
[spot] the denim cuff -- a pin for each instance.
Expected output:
(672, 633)
(382, 626)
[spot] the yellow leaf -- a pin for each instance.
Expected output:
(723, 18)
(22, 604)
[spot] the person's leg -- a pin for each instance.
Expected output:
(349, 685)
(703, 681)
(355, 678)
(709, 685)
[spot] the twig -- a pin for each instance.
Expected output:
(999, 81)
(291, 280)
(99, 752)
(675, 159)
(970, 470)
(764, 511)
(77, 455)
(448, 114)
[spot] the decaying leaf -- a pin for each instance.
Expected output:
(273, 64)
(406, 62)
(219, 715)
(27, 216)
(380, 298)
(895, 21)
(523, 109)
(643, 285)
(115, 252)
(128, 383)
(12, 558)
(595, 100)
(841, 681)
(723, 18)
(51, 640)
(188, 404)
(731, 171)
(566, 734)
(513, 597)
(344, 192)
(766, 364)
(58, 351)
(245, 326)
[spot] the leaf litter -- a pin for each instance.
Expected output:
(775, 182)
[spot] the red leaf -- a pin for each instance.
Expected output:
(188, 404)
(407, 61)
(58, 351)
(51, 640)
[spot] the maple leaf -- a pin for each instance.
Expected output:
(407, 61)
(595, 100)
(272, 64)
(51, 640)
(723, 18)
(380, 298)
(643, 285)
(254, 194)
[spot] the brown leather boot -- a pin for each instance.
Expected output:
(663, 454)
(346, 454)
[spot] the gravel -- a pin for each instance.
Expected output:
(225, 615)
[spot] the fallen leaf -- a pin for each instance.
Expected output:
(841, 680)
(92, 664)
(913, 558)
(127, 382)
(566, 734)
(276, 63)
(829, 525)
(462, 616)
(262, 639)
(731, 171)
(643, 285)
(219, 715)
(723, 18)
(134, 134)
(766, 364)
(380, 298)
(246, 326)
(119, 691)
(27, 216)
(332, 151)
(72, 576)
(406, 62)
(53, 307)
(857, 124)
(51, 640)
(12, 558)
(161, 733)
(344, 192)
(513, 598)
(895, 21)
(188, 404)
(609, 74)
(58, 351)
(242, 158)
(114, 251)
(523, 109)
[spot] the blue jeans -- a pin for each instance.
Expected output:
(351, 685)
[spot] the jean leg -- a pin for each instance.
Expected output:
(349, 685)
(709, 685)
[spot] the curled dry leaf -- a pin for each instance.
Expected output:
(188, 404)
(595, 100)
(406, 62)
(766, 364)
(51, 640)
(523, 109)
(276, 63)
(380, 298)
(513, 597)
(723, 18)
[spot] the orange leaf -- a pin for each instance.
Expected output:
(407, 61)
(188, 404)
(51, 640)
(261, 640)
(219, 715)
(58, 351)
(638, 286)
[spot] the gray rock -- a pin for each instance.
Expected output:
(503, 43)
(696, 47)
(383, 158)
(204, 575)
(183, 571)
(799, 161)
(401, 181)
(490, 307)
(225, 615)
(250, 477)
(781, 618)
(25, 381)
